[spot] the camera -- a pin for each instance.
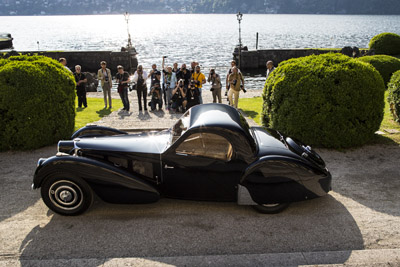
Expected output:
(234, 82)
(212, 72)
(164, 56)
(212, 89)
(244, 90)
(106, 78)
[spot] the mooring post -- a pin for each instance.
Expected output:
(257, 41)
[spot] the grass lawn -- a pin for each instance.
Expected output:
(94, 112)
(253, 108)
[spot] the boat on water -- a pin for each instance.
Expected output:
(6, 41)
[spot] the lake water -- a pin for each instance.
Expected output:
(208, 39)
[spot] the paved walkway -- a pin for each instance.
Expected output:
(163, 119)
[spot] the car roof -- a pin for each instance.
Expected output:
(221, 116)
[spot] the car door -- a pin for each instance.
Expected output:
(201, 167)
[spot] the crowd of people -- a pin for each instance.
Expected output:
(178, 89)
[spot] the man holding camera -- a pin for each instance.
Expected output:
(185, 75)
(235, 85)
(123, 79)
(104, 75)
(178, 97)
(156, 97)
(216, 85)
(198, 79)
(140, 78)
(152, 75)
(192, 97)
(169, 83)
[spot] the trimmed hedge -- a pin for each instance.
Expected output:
(36, 102)
(385, 65)
(394, 95)
(385, 44)
(330, 100)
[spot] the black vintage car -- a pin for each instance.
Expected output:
(211, 154)
(6, 41)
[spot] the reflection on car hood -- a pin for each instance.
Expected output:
(268, 142)
(151, 142)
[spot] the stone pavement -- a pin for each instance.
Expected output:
(157, 120)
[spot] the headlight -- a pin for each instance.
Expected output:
(66, 147)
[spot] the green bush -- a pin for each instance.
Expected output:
(385, 44)
(385, 65)
(329, 100)
(394, 95)
(36, 102)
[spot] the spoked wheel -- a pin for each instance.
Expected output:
(66, 194)
(271, 208)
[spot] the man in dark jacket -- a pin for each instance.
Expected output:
(81, 81)
(123, 79)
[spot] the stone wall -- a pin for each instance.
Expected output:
(90, 60)
(256, 59)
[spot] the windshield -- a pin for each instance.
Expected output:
(180, 127)
(246, 127)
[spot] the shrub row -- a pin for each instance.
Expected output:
(329, 100)
(36, 102)
(385, 65)
(385, 44)
(394, 95)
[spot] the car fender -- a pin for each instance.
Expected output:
(94, 130)
(268, 161)
(90, 170)
(282, 179)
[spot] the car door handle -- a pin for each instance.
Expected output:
(168, 167)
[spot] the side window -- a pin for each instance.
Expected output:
(206, 145)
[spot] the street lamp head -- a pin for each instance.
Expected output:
(239, 16)
(126, 15)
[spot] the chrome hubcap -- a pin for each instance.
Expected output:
(66, 195)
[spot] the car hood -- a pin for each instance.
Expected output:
(149, 142)
(269, 143)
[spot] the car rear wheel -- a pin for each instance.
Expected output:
(66, 194)
(271, 208)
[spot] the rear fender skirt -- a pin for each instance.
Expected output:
(267, 161)
(279, 179)
(92, 171)
(94, 130)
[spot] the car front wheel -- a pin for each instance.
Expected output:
(66, 194)
(271, 208)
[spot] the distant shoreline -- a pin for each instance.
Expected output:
(119, 14)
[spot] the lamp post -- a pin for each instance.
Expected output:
(239, 18)
(126, 15)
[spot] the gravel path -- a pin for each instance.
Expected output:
(135, 120)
